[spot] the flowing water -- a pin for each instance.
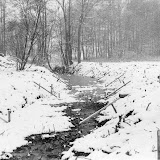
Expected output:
(40, 148)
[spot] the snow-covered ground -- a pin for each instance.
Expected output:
(131, 133)
(31, 112)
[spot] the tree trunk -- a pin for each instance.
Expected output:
(69, 35)
(79, 42)
(4, 28)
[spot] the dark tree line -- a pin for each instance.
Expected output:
(118, 29)
(79, 29)
(2, 27)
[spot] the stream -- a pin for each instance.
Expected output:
(87, 93)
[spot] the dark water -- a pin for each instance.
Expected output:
(51, 148)
(39, 148)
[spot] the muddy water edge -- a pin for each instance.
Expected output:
(52, 146)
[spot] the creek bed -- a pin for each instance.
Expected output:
(47, 146)
(51, 145)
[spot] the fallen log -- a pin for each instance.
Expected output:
(97, 112)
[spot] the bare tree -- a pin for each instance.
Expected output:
(66, 10)
(88, 28)
(25, 31)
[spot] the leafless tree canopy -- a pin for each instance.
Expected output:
(79, 29)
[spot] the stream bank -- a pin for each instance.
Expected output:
(48, 146)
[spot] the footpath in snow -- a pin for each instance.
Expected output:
(130, 131)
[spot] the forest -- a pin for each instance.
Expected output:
(37, 31)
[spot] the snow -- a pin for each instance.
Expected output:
(137, 117)
(32, 108)
(130, 133)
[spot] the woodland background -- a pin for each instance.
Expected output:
(44, 31)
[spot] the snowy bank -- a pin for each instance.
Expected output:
(130, 133)
(32, 107)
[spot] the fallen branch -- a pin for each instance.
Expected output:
(94, 114)
(3, 120)
(114, 80)
(114, 92)
(103, 76)
(114, 108)
(127, 123)
(1, 134)
(97, 112)
(45, 89)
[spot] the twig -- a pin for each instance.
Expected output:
(127, 123)
(3, 120)
(114, 108)
(1, 134)
(148, 106)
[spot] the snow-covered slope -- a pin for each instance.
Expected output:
(131, 133)
(31, 112)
